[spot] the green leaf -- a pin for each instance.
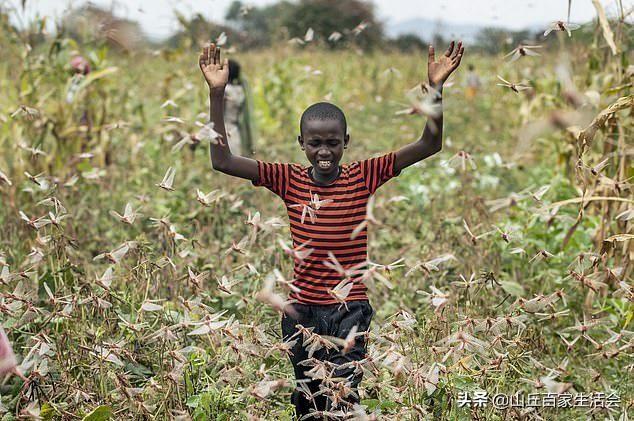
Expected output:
(47, 412)
(100, 413)
(385, 405)
(193, 401)
(463, 383)
(84, 166)
(138, 371)
(98, 75)
(371, 403)
(512, 288)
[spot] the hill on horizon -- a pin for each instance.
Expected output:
(427, 28)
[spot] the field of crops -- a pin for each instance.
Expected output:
(516, 239)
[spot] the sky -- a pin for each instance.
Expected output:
(157, 17)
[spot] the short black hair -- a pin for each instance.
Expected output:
(323, 111)
(234, 71)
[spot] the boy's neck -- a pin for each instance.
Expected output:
(324, 182)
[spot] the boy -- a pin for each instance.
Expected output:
(326, 205)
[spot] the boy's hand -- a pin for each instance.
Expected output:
(216, 72)
(439, 71)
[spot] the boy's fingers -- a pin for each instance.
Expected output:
(217, 57)
(210, 53)
(432, 54)
(449, 50)
(458, 49)
(459, 57)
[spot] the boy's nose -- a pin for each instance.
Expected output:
(323, 153)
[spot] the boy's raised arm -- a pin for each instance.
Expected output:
(431, 140)
(216, 74)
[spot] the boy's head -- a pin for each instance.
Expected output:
(323, 136)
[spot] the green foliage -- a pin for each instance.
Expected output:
(497, 40)
(284, 20)
(100, 413)
(328, 16)
(409, 43)
(197, 31)
(260, 26)
(214, 404)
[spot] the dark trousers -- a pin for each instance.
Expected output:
(332, 320)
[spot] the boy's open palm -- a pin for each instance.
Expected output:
(439, 71)
(216, 72)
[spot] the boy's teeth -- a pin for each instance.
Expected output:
(324, 164)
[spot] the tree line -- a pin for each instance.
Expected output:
(330, 24)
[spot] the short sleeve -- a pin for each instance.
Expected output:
(274, 176)
(376, 171)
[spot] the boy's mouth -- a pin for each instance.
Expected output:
(324, 164)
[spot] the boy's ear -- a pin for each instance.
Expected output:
(300, 141)
(346, 139)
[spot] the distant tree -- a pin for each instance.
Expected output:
(234, 11)
(409, 43)
(12, 43)
(4, 19)
(5, 25)
(438, 39)
(259, 26)
(354, 19)
(498, 40)
(91, 23)
(197, 31)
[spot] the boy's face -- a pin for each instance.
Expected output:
(324, 142)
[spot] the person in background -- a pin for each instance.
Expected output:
(80, 68)
(80, 65)
(473, 83)
(237, 113)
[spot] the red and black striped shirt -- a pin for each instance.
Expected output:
(327, 226)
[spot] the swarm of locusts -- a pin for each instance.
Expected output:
(137, 284)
